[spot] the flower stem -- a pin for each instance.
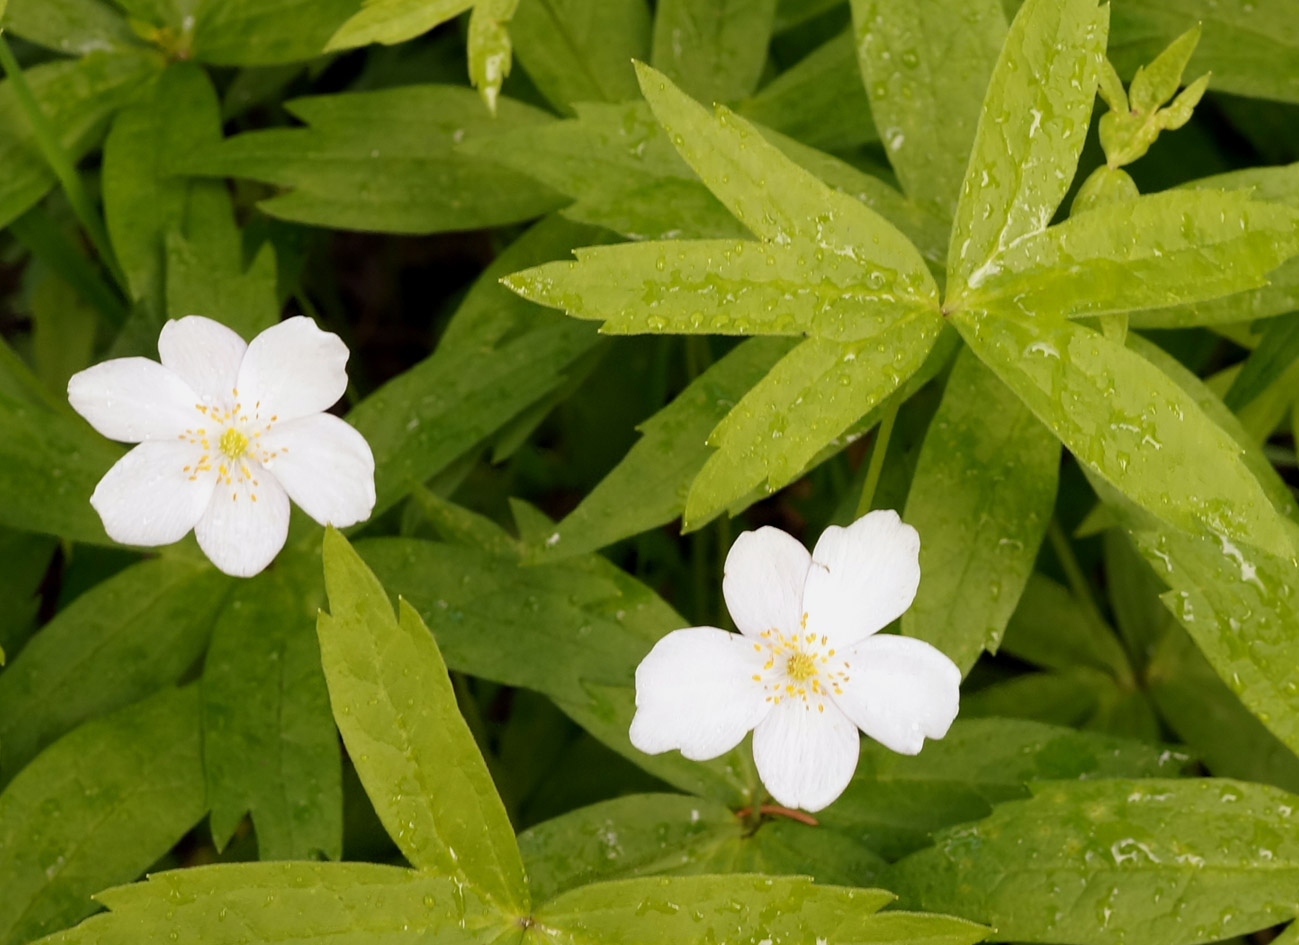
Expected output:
(60, 163)
(878, 450)
(775, 810)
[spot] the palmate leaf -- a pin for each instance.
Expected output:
(713, 50)
(981, 497)
(925, 68)
(415, 755)
(1159, 861)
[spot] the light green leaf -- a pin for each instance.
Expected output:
(384, 161)
(97, 808)
(1156, 861)
(581, 50)
(981, 499)
(269, 744)
(926, 70)
(71, 27)
(1164, 249)
(744, 908)
(394, 21)
(1030, 133)
(648, 487)
(122, 640)
(577, 629)
(274, 903)
(77, 96)
(811, 397)
(895, 802)
(489, 47)
(713, 50)
(819, 100)
(731, 287)
(257, 33)
(142, 202)
(1155, 84)
(397, 712)
(498, 356)
(1124, 419)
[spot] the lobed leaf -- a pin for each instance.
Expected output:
(258, 33)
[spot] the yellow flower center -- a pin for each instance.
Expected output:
(800, 666)
(233, 444)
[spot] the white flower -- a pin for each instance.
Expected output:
(228, 433)
(806, 671)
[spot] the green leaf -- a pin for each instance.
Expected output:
(489, 47)
(713, 50)
(895, 802)
(63, 331)
(648, 487)
(383, 161)
(206, 274)
(77, 96)
(1156, 861)
(819, 100)
(97, 808)
(142, 202)
(1277, 350)
(581, 50)
(810, 398)
(1030, 132)
(498, 356)
(122, 640)
(397, 712)
(1123, 418)
(745, 908)
(24, 560)
(981, 499)
(1050, 630)
(577, 629)
(274, 903)
(269, 745)
(71, 27)
(394, 21)
(1164, 249)
(257, 33)
(926, 71)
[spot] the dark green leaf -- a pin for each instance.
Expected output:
(257, 33)
(714, 50)
(71, 27)
(1277, 351)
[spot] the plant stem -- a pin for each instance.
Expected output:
(60, 163)
(878, 449)
(1073, 573)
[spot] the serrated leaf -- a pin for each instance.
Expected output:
(273, 903)
(1157, 861)
(811, 397)
(981, 499)
(713, 50)
(121, 641)
(97, 808)
(78, 97)
(384, 161)
(257, 33)
(143, 203)
(648, 487)
(75, 27)
(1124, 419)
(269, 745)
(394, 21)
(581, 50)
(926, 71)
(397, 712)
(1164, 249)
(1030, 132)
(1154, 84)
(895, 802)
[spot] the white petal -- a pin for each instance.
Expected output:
(325, 466)
(805, 757)
(763, 579)
(148, 498)
(900, 691)
(695, 691)
(242, 535)
(293, 369)
(134, 399)
(204, 353)
(862, 577)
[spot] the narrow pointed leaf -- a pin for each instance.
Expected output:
(394, 21)
(1030, 132)
(489, 47)
(713, 50)
(394, 704)
(981, 499)
(926, 70)
(1277, 350)
(1157, 861)
(257, 33)
(1124, 419)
